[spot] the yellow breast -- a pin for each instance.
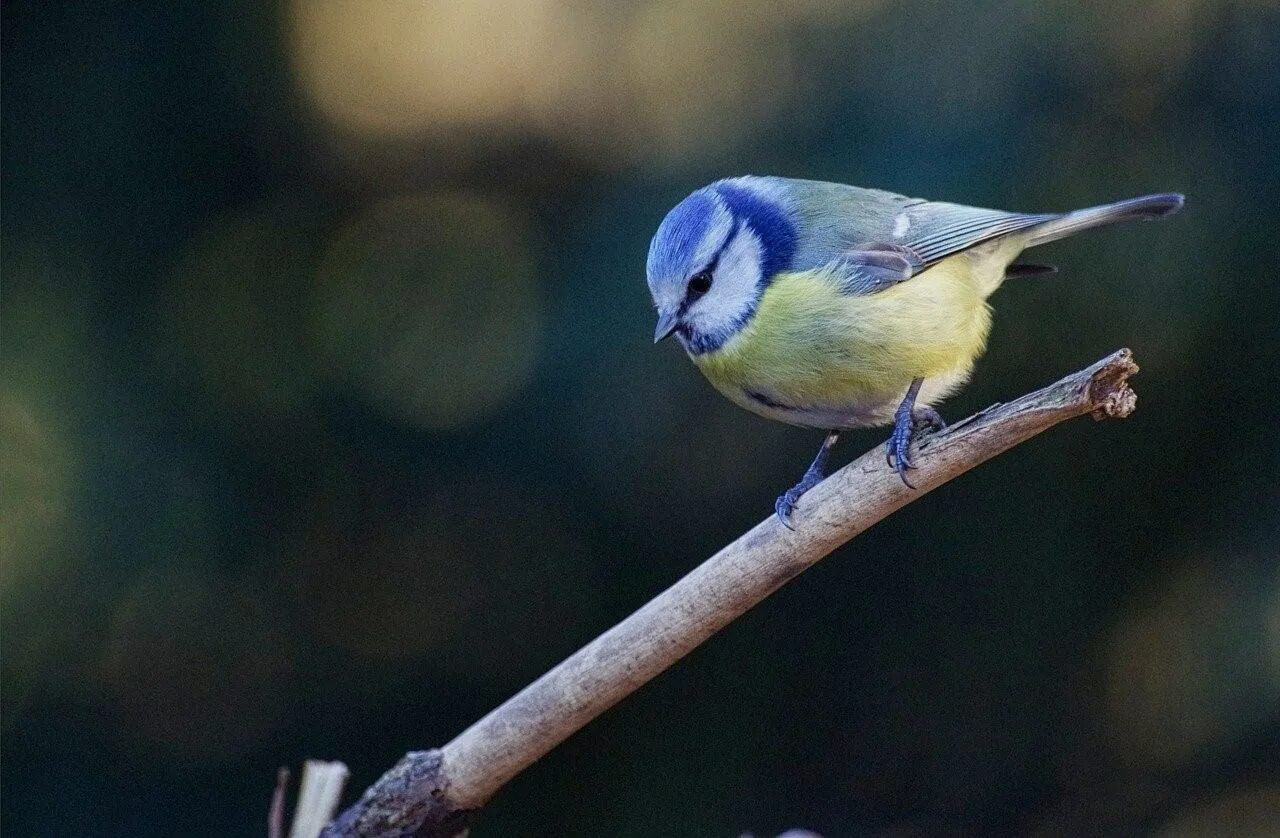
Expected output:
(813, 355)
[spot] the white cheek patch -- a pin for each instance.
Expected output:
(667, 297)
(735, 285)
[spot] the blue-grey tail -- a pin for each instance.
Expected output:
(1068, 224)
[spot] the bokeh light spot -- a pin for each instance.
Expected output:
(400, 67)
(701, 74)
(235, 315)
(44, 364)
(1189, 670)
(616, 83)
(35, 482)
(429, 306)
(196, 665)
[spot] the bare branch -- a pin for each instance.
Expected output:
(275, 815)
(318, 798)
(435, 793)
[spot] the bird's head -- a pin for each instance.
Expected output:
(713, 256)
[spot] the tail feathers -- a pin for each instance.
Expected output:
(1146, 207)
(1027, 269)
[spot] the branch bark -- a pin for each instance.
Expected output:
(435, 793)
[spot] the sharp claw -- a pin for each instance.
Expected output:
(786, 502)
(900, 440)
(908, 423)
(902, 475)
(783, 508)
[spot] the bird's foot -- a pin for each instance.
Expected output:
(786, 502)
(817, 471)
(909, 425)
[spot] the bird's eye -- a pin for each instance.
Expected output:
(700, 283)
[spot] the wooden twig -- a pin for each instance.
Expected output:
(435, 793)
(275, 814)
(318, 798)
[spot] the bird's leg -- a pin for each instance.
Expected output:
(812, 477)
(908, 422)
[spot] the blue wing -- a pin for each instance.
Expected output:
(874, 269)
(834, 219)
(872, 240)
(937, 230)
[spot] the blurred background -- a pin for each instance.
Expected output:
(331, 414)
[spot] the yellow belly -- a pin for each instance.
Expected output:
(815, 356)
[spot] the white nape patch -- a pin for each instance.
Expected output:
(735, 284)
(901, 224)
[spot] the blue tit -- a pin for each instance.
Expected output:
(834, 307)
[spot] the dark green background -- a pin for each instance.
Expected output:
(331, 416)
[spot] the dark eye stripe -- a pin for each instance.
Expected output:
(710, 267)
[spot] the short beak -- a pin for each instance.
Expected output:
(667, 322)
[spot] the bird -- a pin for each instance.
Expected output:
(833, 307)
